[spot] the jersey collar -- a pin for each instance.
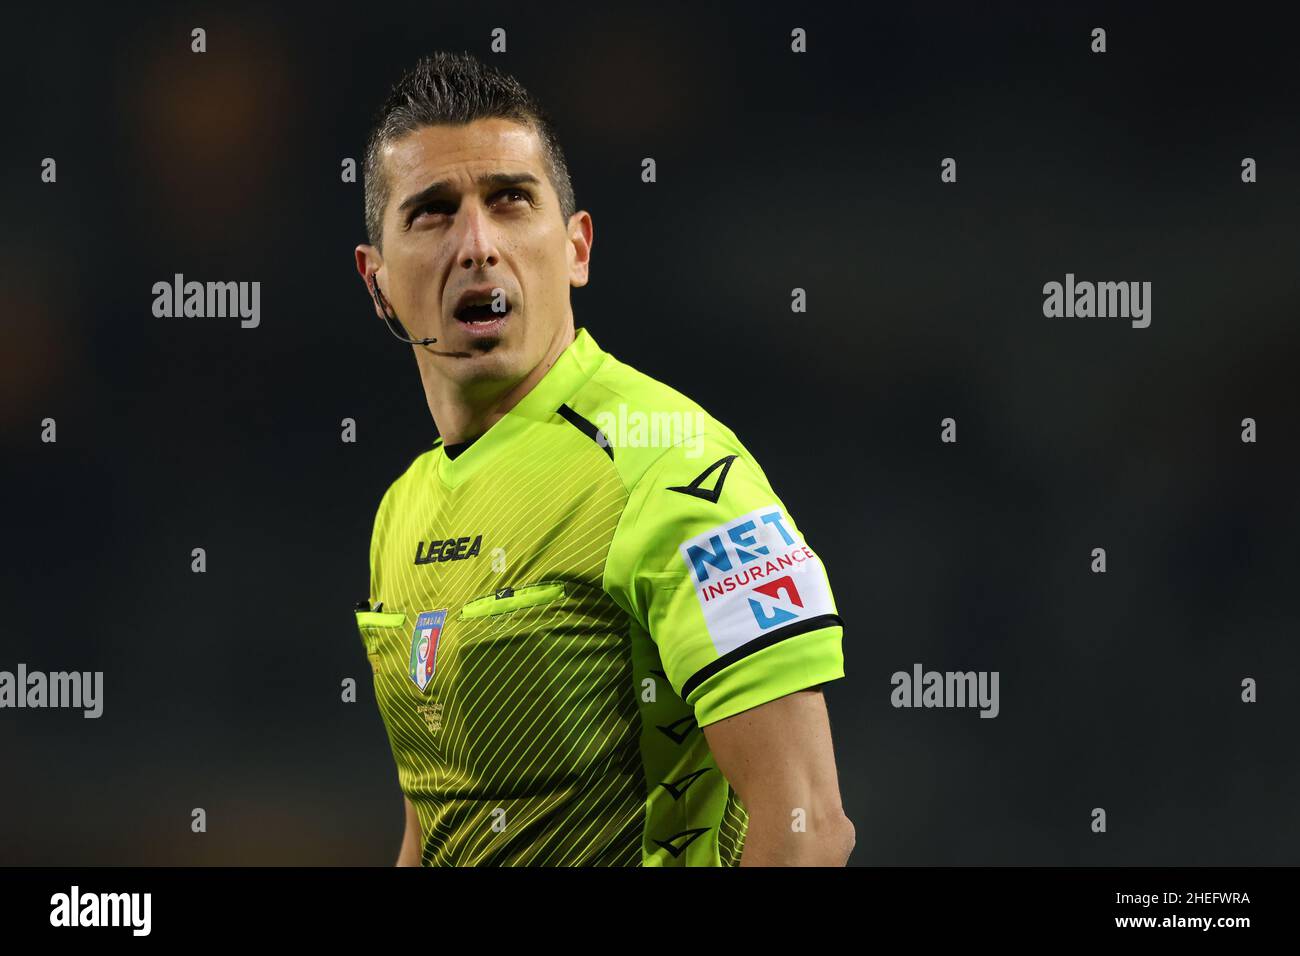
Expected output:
(572, 368)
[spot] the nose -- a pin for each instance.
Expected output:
(478, 248)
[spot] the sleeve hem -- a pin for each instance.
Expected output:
(795, 664)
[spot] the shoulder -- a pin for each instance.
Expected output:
(648, 422)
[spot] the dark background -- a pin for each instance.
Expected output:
(775, 170)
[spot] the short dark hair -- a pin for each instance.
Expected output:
(448, 89)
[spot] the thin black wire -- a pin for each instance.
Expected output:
(390, 317)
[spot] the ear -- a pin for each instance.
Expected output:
(580, 239)
(370, 261)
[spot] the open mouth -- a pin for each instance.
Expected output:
(480, 313)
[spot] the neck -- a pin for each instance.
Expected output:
(464, 411)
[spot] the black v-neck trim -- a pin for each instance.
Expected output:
(451, 451)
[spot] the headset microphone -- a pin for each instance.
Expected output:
(390, 317)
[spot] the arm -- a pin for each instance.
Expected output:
(409, 855)
(778, 757)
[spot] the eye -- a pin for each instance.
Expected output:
(429, 207)
(515, 191)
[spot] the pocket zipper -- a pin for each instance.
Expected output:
(512, 599)
(378, 618)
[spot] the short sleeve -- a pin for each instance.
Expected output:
(709, 562)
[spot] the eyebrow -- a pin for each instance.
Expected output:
(493, 180)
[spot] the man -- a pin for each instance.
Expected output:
(591, 646)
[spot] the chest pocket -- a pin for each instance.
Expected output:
(512, 599)
(373, 625)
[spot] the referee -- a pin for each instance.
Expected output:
(594, 641)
